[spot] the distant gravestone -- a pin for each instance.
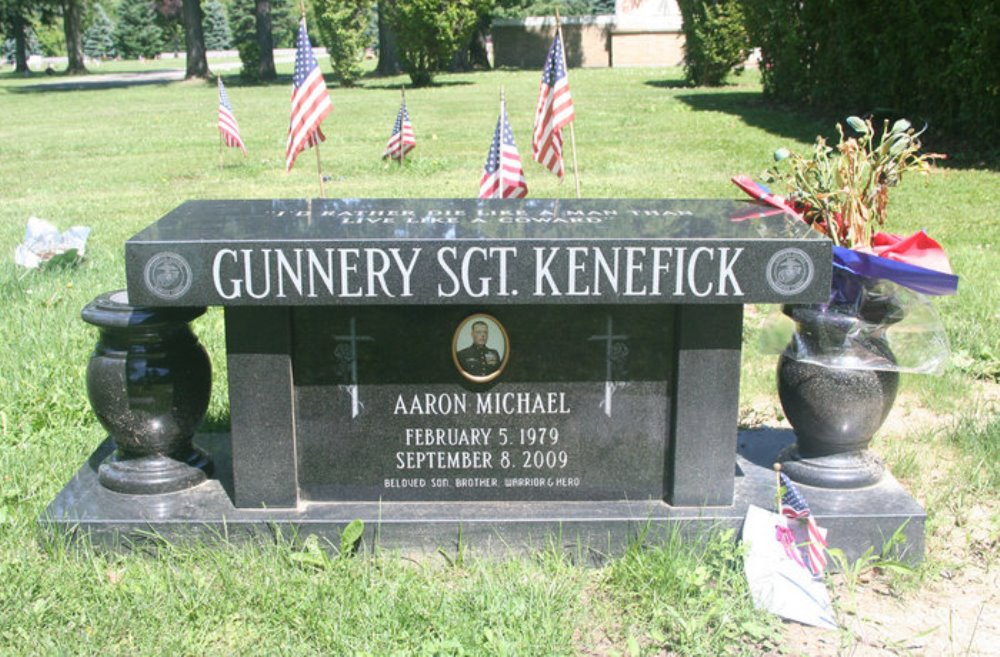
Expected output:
(498, 368)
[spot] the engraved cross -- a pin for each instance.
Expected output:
(610, 343)
(352, 339)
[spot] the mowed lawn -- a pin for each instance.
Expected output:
(119, 157)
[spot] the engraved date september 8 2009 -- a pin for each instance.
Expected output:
(482, 448)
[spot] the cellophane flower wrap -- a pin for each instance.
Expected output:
(868, 323)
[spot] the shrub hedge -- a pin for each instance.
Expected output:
(715, 40)
(930, 60)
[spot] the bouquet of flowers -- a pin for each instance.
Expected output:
(879, 279)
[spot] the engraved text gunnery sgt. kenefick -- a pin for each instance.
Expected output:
(477, 359)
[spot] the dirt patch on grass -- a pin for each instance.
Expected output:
(951, 607)
(953, 613)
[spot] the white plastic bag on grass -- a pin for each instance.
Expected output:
(44, 244)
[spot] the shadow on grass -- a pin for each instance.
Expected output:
(669, 84)
(366, 83)
(396, 86)
(804, 124)
(754, 110)
(103, 81)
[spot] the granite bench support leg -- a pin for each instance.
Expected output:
(262, 417)
(704, 405)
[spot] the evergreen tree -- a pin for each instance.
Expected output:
(241, 21)
(168, 19)
(430, 32)
(243, 28)
(217, 34)
(258, 26)
(136, 34)
(343, 27)
(99, 38)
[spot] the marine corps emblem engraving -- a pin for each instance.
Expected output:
(168, 276)
(789, 271)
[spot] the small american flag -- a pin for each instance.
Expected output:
(503, 176)
(793, 505)
(403, 139)
(310, 100)
(553, 112)
(228, 126)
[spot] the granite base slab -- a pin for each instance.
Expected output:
(856, 519)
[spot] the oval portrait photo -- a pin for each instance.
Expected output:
(480, 348)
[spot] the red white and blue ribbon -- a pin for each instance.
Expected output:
(916, 262)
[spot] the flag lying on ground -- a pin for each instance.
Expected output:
(779, 582)
(403, 139)
(310, 100)
(553, 112)
(503, 176)
(793, 505)
(228, 126)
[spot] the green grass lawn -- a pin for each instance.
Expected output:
(117, 159)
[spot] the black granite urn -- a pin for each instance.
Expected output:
(834, 408)
(148, 381)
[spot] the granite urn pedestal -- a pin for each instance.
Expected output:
(148, 381)
(507, 372)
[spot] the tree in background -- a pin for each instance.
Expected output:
(429, 33)
(9, 46)
(18, 48)
(217, 34)
(915, 58)
(72, 12)
(388, 57)
(264, 33)
(523, 8)
(168, 19)
(194, 40)
(136, 34)
(716, 42)
(243, 30)
(16, 19)
(50, 36)
(473, 54)
(258, 26)
(99, 38)
(343, 29)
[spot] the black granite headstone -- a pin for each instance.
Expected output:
(506, 364)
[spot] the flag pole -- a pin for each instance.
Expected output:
(503, 103)
(319, 165)
(777, 486)
(218, 80)
(402, 146)
(572, 133)
(319, 170)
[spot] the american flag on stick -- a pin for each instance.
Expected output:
(554, 110)
(310, 100)
(403, 139)
(228, 126)
(503, 176)
(793, 505)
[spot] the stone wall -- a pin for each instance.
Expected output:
(636, 46)
(523, 43)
